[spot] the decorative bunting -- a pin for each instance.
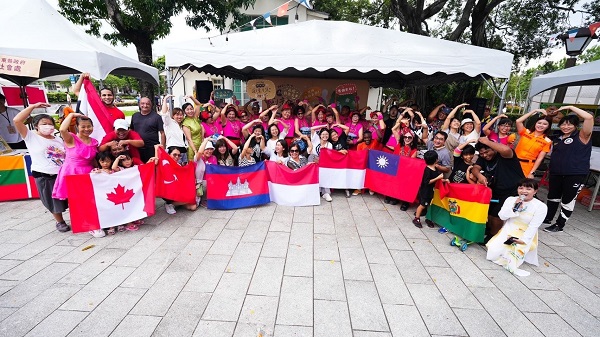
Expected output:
(252, 24)
(267, 17)
(283, 9)
(572, 34)
(593, 27)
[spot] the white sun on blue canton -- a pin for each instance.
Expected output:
(382, 162)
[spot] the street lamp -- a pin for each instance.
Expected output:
(576, 40)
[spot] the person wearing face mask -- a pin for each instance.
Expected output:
(47, 153)
(8, 130)
(518, 239)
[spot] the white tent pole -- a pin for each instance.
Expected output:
(169, 87)
(504, 89)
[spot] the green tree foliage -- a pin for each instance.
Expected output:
(141, 22)
(589, 55)
(66, 83)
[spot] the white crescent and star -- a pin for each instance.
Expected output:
(165, 163)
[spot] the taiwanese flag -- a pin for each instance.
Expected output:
(293, 188)
(173, 181)
(338, 170)
(99, 200)
(230, 187)
(90, 105)
(461, 208)
(16, 181)
(393, 175)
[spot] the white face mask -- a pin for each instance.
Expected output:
(46, 130)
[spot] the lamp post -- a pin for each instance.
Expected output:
(576, 40)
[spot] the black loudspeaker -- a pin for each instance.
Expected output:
(203, 90)
(478, 105)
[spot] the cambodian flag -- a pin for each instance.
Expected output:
(338, 170)
(394, 176)
(294, 188)
(229, 187)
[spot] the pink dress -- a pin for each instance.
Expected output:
(79, 160)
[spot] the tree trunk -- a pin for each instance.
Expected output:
(144, 51)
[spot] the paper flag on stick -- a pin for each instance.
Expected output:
(282, 9)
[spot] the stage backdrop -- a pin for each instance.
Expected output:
(320, 91)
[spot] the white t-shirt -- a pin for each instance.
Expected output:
(8, 131)
(474, 135)
(274, 157)
(316, 141)
(47, 155)
(271, 143)
(173, 132)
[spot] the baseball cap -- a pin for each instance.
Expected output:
(446, 110)
(120, 124)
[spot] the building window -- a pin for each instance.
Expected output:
(239, 90)
(261, 23)
(217, 83)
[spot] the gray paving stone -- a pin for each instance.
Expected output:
(535, 280)
(366, 226)
(329, 282)
(256, 232)
(136, 326)
(226, 301)
(390, 286)
(191, 256)
(303, 214)
(435, 311)
(6, 265)
(358, 333)
(259, 312)
(32, 313)
(516, 292)
(158, 299)
(267, 277)
(466, 270)
(366, 311)
(354, 264)
(241, 219)
(571, 312)
(26, 237)
(226, 242)
(244, 258)
(90, 296)
(376, 250)
(7, 248)
(325, 247)
(331, 319)
(58, 324)
(295, 302)
(5, 312)
(38, 246)
(136, 255)
(301, 234)
(410, 267)
(208, 274)
(394, 239)
(183, 316)
(405, 320)
(281, 222)
(95, 265)
(581, 275)
(26, 269)
(551, 325)
(478, 322)
(292, 331)
(276, 244)
(111, 312)
(504, 312)
(453, 289)
(578, 293)
(150, 270)
(299, 261)
(427, 253)
(323, 224)
(211, 229)
(214, 329)
(35, 285)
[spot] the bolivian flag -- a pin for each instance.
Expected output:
(461, 208)
(15, 178)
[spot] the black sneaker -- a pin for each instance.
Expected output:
(62, 227)
(553, 229)
(429, 223)
(546, 221)
(417, 222)
(404, 206)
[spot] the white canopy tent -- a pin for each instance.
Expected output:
(338, 49)
(585, 74)
(35, 30)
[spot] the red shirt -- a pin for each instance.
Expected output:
(115, 113)
(131, 135)
(408, 152)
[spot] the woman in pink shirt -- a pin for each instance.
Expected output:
(301, 123)
(355, 130)
(210, 121)
(232, 127)
(318, 115)
(287, 118)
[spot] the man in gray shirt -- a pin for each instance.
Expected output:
(438, 144)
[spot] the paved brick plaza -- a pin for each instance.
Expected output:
(353, 267)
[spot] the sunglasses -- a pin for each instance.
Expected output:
(408, 137)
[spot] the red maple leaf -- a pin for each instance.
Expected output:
(120, 195)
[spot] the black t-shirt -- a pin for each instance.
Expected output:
(570, 156)
(389, 124)
(148, 126)
(459, 171)
(426, 189)
(504, 173)
(341, 143)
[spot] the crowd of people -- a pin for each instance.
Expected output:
(455, 143)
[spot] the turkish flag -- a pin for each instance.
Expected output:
(173, 181)
(100, 200)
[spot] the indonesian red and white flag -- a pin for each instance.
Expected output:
(91, 106)
(338, 170)
(293, 188)
(100, 200)
(173, 181)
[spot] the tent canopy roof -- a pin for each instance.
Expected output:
(38, 31)
(585, 74)
(339, 49)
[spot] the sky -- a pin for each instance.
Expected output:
(181, 32)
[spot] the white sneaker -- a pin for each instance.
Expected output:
(371, 192)
(347, 194)
(98, 233)
(170, 209)
(327, 197)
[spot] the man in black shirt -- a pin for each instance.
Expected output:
(499, 168)
(150, 127)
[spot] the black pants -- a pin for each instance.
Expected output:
(563, 190)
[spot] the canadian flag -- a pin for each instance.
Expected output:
(99, 200)
(89, 104)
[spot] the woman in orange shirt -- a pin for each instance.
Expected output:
(534, 143)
